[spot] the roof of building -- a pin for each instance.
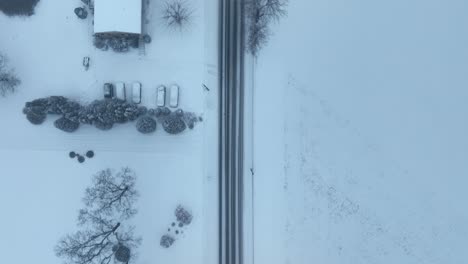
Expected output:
(122, 16)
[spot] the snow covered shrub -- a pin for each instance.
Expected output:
(146, 125)
(142, 110)
(147, 38)
(103, 125)
(81, 12)
(66, 125)
(100, 42)
(56, 104)
(122, 253)
(118, 44)
(166, 241)
(36, 118)
(190, 119)
(260, 15)
(164, 111)
(173, 124)
(8, 79)
(177, 13)
(183, 215)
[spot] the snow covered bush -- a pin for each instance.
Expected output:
(183, 216)
(146, 38)
(105, 234)
(173, 124)
(166, 241)
(104, 114)
(81, 12)
(146, 125)
(122, 253)
(66, 125)
(260, 15)
(8, 79)
(163, 111)
(116, 43)
(177, 13)
(36, 118)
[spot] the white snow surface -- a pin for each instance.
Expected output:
(43, 187)
(360, 134)
(124, 16)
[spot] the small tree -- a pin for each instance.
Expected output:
(104, 235)
(177, 13)
(8, 79)
(260, 15)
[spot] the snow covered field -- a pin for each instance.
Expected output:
(44, 186)
(365, 106)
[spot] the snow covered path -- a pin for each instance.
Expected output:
(364, 105)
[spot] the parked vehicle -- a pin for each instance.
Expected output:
(108, 90)
(120, 90)
(161, 95)
(136, 92)
(174, 96)
(86, 62)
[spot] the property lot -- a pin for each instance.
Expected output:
(45, 185)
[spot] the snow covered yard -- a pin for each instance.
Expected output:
(366, 158)
(45, 186)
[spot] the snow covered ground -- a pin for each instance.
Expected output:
(364, 105)
(44, 186)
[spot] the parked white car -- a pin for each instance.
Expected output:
(136, 92)
(161, 95)
(174, 96)
(120, 90)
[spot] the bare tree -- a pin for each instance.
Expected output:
(112, 195)
(177, 13)
(260, 15)
(104, 235)
(8, 79)
(99, 245)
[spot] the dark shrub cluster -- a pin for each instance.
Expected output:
(116, 43)
(103, 114)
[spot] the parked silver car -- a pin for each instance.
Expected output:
(108, 90)
(136, 92)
